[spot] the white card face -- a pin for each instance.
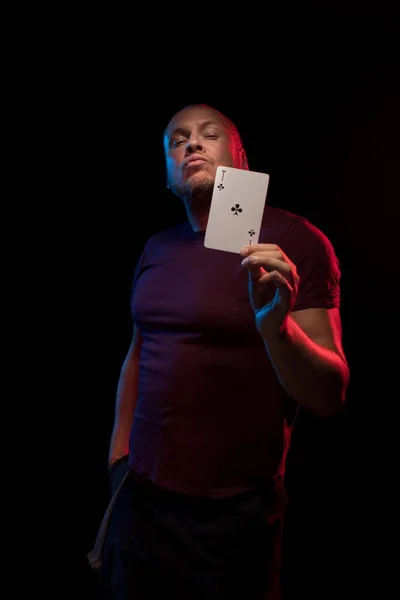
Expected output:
(237, 208)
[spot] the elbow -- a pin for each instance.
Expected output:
(330, 407)
(328, 394)
(333, 399)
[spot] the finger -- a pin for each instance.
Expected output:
(279, 255)
(268, 262)
(255, 273)
(245, 250)
(281, 282)
(284, 289)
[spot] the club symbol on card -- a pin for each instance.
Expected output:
(220, 187)
(251, 233)
(236, 209)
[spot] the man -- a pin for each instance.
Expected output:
(225, 349)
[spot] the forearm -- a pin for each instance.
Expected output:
(124, 412)
(313, 376)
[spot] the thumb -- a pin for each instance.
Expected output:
(255, 272)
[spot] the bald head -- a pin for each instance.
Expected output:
(197, 140)
(196, 109)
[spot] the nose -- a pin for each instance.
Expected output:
(193, 145)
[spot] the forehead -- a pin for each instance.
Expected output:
(193, 117)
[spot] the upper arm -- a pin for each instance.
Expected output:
(323, 326)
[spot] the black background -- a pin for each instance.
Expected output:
(317, 107)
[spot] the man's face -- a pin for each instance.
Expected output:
(198, 140)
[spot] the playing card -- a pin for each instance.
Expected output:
(237, 208)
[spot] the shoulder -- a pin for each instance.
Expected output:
(280, 218)
(169, 239)
(295, 234)
(164, 236)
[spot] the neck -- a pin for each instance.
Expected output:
(197, 221)
(197, 209)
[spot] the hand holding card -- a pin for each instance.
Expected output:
(237, 208)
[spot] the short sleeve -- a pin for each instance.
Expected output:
(317, 265)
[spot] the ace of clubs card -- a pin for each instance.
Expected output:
(237, 208)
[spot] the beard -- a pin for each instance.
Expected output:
(196, 193)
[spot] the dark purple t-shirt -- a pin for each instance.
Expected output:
(211, 418)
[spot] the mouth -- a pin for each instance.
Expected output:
(194, 160)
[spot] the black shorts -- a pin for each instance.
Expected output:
(163, 544)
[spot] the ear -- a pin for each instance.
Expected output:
(243, 159)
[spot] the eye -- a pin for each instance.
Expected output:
(210, 134)
(177, 143)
